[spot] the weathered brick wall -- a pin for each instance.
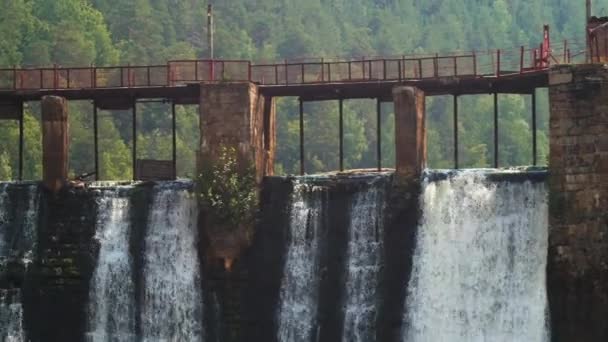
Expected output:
(578, 241)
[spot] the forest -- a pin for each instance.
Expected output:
(139, 32)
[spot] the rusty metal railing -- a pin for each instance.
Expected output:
(180, 72)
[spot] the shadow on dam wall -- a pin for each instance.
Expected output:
(339, 216)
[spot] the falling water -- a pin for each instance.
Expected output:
(364, 253)
(11, 316)
(4, 221)
(479, 266)
(18, 223)
(300, 285)
(172, 307)
(112, 294)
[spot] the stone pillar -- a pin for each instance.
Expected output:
(234, 115)
(237, 115)
(55, 142)
(578, 235)
(410, 131)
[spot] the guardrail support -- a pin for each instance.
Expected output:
(302, 167)
(134, 134)
(341, 128)
(534, 150)
(174, 138)
(379, 133)
(495, 130)
(456, 166)
(21, 141)
(96, 139)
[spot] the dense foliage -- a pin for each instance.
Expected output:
(227, 195)
(104, 32)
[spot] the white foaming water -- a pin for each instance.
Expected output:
(300, 285)
(364, 257)
(112, 293)
(17, 244)
(479, 265)
(11, 316)
(4, 220)
(172, 299)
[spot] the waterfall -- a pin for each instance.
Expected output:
(11, 316)
(364, 257)
(300, 284)
(4, 221)
(479, 266)
(112, 294)
(172, 300)
(18, 222)
(18, 226)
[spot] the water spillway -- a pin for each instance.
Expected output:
(172, 299)
(479, 265)
(11, 316)
(330, 261)
(364, 255)
(112, 293)
(160, 301)
(331, 242)
(18, 231)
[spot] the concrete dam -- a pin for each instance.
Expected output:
(335, 258)
(409, 254)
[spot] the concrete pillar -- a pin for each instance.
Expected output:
(577, 271)
(236, 114)
(55, 142)
(410, 131)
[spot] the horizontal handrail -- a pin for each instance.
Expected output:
(183, 71)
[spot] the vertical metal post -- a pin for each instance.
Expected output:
(534, 151)
(498, 63)
(96, 140)
(21, 141)
(456, 166)
(474, 63)
(174, 138)
(210, 30)
(587, 38)
(341, 128)
(496, 130)
(134, 140)
(302, 169)
(379, 133)
(521, 59)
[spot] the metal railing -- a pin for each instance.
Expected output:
(180, 72)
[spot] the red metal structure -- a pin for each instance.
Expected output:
(179, 72)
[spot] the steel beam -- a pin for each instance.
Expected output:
(21, 142)
(456, 166)
(302, 168)
(496, 130)
(341, 127)
(96, 139)
(379, 133)
(534, 142)
(174, 138)
(134, 133)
